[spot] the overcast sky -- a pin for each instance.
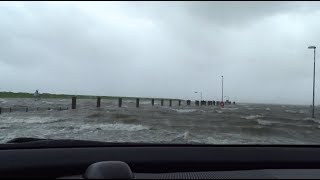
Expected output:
(162, 49)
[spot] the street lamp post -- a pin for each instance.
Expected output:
(314, 73)
(200, 95)
(222, 90)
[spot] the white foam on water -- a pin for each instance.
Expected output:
(47, 102)
(219, 111)
(186, 135)
(114, 127)
(268, 109)
(252, 108)
(312, 119)
(144, 102)
(185, 110)
(30, 120)
(308, 119)
(4, 126)
(290, 111)
(3, 101)
(252, 117)
(264, 122)
(182, 138)
(231, 108)
(211, 140)
(302, 111)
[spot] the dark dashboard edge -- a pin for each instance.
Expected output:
(84, 145)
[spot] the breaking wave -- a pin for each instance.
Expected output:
(114, 127)
(252, 117)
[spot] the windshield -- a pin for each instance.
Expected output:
(160, 72)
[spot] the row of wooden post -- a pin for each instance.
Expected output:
(203, 103)
(197, 103)
(1, 110)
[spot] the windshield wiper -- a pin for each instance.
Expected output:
(38, 143)
(25, 139)
(27, 143)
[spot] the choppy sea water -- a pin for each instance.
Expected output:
(233, 124)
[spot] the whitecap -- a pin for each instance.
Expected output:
(4, 126)
(268, 109)
(230, 108)
(30, 120)
(145, 102)
(264, 122)
(186, 135)
(290, 111)
(114, 127)
(3, 101)
(182, 138)
(312, 119)
(185, 110)
(47, 102)
(252, 117)
(211, 140)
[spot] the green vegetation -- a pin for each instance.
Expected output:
(65, 96)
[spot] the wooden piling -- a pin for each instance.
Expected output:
(188, 102)
(26, 109)
(120, 102)
(161, 102)
(152, 102)
(0, 110)
(137, 102)
(74, 102)
(213, 103)
(197, 103)
(10, 109)
(98, 101)
(170, 102)
(179, 102)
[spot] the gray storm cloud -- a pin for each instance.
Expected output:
(161, 49)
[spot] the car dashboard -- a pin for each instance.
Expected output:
(246, 174)
(162, 162)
